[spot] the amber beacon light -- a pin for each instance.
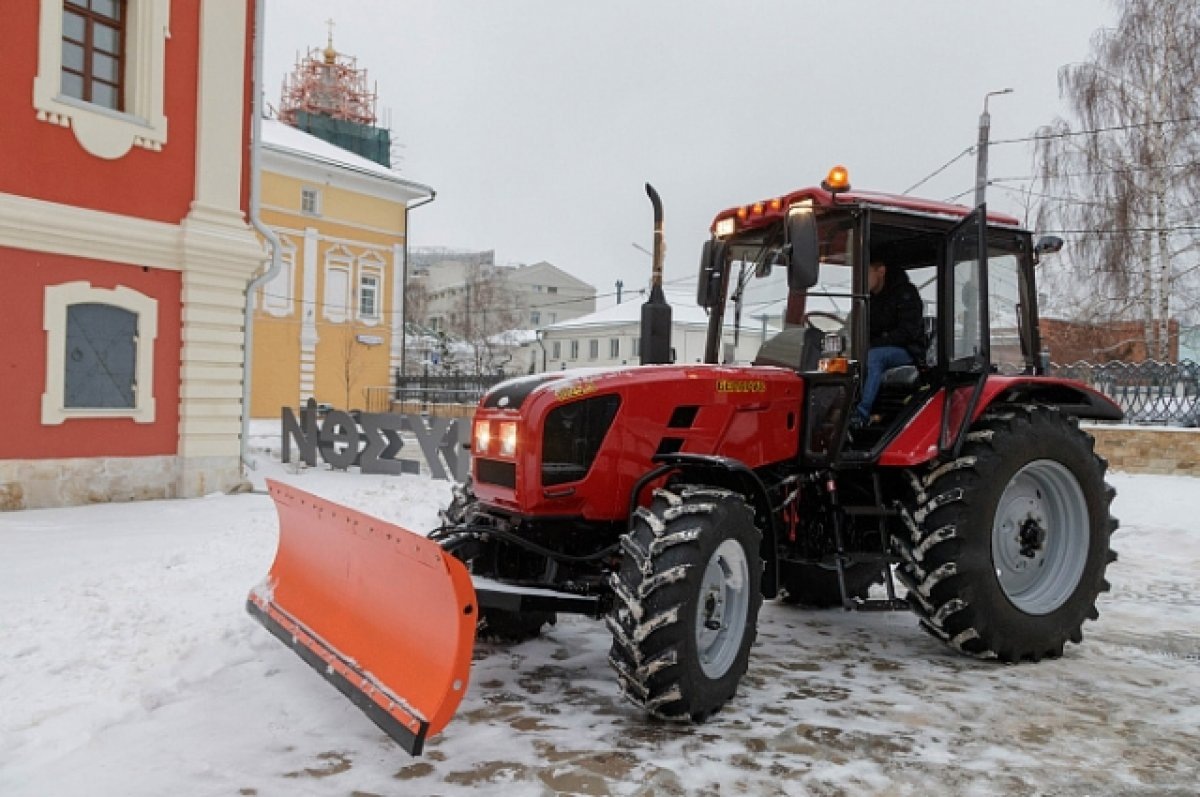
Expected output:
(837, 180)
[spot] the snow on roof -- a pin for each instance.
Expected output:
(290, 140)
(684, 310)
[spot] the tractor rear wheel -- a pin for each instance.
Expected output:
(817, 586)
(1010, 542)
(687, 599)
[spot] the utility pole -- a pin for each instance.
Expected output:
(981, 148)
(620, 285)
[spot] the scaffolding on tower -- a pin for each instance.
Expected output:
(327, 96)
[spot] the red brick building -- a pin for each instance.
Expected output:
(1117, 341)
(124, 247)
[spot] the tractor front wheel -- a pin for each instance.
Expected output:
(687, 599)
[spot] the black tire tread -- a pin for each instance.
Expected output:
(652, 589)
(935, 567)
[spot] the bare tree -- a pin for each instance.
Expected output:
(486, 308)
(351, 361)
(1123, 181)
(416, 303)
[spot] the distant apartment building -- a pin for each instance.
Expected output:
(539, 293)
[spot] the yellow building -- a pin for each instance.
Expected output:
(329, 325)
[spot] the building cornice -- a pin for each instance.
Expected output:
(40, 226)
(314, 168)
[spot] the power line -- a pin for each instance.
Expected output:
(939, 170)
(1124, 230)
(1101, 173)
(1067, 200)
(1094, 131)
(1065, 134)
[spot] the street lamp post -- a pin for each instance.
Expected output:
(981, 149)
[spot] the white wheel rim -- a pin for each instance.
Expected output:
(721, 608)
(1041, 536)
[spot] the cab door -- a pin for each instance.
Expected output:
(964, 327)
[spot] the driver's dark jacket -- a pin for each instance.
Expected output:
(896, 315)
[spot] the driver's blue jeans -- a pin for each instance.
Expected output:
(879, 359)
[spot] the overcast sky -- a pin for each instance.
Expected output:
(539, 121)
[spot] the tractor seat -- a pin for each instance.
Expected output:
(900, 387)
(901, 378)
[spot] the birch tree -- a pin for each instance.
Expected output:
(1121, 178)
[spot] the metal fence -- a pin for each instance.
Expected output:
(1166, 394)
(423, 391)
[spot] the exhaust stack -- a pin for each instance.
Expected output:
(656, 313)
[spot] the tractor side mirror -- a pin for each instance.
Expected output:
(804, 257)
(712, 265)
(1048, 245)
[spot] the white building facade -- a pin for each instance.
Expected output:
(611, 337)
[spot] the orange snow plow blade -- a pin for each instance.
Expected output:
(384, 614)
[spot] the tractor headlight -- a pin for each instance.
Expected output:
(508, 439)
(483, 436)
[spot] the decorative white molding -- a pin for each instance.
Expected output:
(396, 355)
(58, 298)
(101, 131)
(308, 314)
(40, 226)
(221, 106)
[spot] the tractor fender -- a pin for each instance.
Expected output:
(917, 443)
(732, 474)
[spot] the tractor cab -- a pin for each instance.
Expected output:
(798, 266)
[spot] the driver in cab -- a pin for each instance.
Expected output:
(897, 331)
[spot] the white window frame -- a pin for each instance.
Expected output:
(101, 131)
(574, 350)
(57, 300)
(277, 297)
(338, 260)
(306, 192)
(614, 348)
(370, 267)
(556, 350)
(594, 349)
(535, 317)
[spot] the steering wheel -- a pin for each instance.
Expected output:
(825, 321)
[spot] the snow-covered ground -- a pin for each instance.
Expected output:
(128, 666)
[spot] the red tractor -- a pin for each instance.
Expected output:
(670, 500)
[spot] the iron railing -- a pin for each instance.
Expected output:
(1167, 394)
(429, 390)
